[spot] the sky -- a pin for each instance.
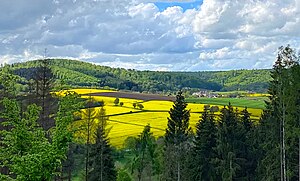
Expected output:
(161, 35)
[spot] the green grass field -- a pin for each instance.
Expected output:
(238, 102)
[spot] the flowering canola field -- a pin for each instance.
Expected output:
(124, 121)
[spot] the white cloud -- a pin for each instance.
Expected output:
(221, 34)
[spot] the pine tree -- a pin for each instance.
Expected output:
(145, 156)
(89, 116)
(176, 136)
(229, 145)
(101, 160)
(203, 152)
(248, 146)
(279, 125)
(44, 82)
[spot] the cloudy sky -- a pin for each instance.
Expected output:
(181, 35)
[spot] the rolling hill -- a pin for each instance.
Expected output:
(82, 74)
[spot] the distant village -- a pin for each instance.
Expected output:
(211, 94)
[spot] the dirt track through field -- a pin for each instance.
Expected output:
(129, 95)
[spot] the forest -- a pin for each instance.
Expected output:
(37, 139)
(76, 73)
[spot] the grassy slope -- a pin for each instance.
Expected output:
(238, 102)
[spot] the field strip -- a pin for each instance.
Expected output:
(134, 124)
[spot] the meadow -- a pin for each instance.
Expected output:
(125, 121)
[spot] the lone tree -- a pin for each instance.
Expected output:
(176, 137)
(140, 106)
(116, 101)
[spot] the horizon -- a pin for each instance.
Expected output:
(157, 35)
(97, 64)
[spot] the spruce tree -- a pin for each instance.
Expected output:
(178, 123)
(279, 127)
(229, 146)
(248, 146)
(203, 152)
(44, 81)
(145, 157)
(101, 156)
(176, 137)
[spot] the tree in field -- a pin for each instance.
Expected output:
(145, 156)
(116, 101)
(102, 163)
(176, 137)
(203, 152)
(279, 125)
(140, 106)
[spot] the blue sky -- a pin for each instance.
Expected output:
(163, 35)
(184, 5)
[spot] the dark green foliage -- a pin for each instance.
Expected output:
(203, 152)
(8, 82)
(101, 160)
(176, 141)
(145, 158)
(178, 123)
(134, 105)
(78, 73)
(123, 175)
(116, 101)
(140, 106)
(26, 149)
(279, 126)
(229, 148)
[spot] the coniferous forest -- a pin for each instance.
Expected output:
(37, 140)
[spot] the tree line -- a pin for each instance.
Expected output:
(37, 135)
(77, 73)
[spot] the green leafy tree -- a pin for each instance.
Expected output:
(8, 82)
(25, 149)
(116, 101)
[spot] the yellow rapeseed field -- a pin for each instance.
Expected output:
(88, 91)
(129, 121)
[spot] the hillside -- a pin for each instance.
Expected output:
(77, 73)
